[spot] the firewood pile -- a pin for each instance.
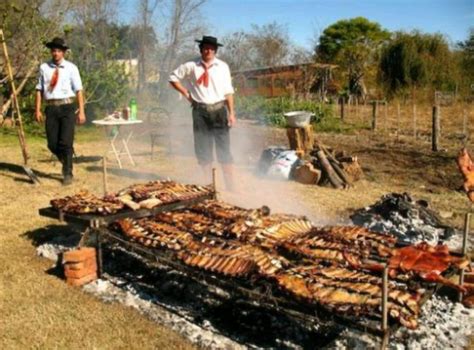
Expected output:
(338, 268)
(325, 166)
(137, 196)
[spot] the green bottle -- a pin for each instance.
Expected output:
(133, 109)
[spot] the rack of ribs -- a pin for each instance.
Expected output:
(349, 292)
(87, 203)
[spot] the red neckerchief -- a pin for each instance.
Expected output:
(204, 78)
(54, 80)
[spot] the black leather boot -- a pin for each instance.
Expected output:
(67, 169)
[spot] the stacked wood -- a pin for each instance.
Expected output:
(334, 168)
(301, 139)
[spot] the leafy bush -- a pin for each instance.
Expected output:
(270, 111)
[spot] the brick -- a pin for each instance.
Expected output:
(80, 265)
(81, 281)
(79, 255)
(80, 273)
(468, 301)
(469, 277)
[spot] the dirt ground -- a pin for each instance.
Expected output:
(39, 310)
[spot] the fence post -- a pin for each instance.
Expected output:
(398, 120)
(414, 121)
(374, 115)
(356, 108)
(435, 130)
(342, 107)
(385, 115)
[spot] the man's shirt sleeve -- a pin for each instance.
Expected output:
(76, 82)
(179, 74)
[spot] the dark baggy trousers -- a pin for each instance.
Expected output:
(60, 123)
(209, 128)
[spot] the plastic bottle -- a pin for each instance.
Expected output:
(133, 109)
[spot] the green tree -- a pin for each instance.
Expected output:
(352, 44)
(467, 61)
(415, 60)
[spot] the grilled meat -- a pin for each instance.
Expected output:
(87, 203)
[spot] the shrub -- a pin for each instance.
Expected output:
(270, 111)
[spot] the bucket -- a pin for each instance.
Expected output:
(298, 119)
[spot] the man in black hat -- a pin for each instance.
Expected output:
(59, 82)
(206, 83)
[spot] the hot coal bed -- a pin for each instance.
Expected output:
(179, 260)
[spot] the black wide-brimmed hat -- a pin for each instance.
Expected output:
(209, 40)
(57, 43)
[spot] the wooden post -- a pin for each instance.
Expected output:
(435, 130)
(467, 224)
(342, 107)
(414, 121)
(385, 115)
(104, 175)
(398, 120)
(464, 123)
(374, 115)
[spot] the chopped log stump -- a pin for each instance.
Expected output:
(301, 139)
(307, 174)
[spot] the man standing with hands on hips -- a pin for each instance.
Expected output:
(206, 84)
(59, 82)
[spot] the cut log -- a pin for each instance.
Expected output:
(353, 170)
(301, 139)
(328, 170)
(307, 174)
(340, 172)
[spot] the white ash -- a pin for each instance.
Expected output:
(204, 336)
(409, 220)
(443, 325)
(57, 245)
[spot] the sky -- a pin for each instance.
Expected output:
(307, 18)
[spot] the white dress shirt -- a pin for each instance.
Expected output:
(220, 82)
(69, 80)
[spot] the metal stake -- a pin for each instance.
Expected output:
(214, 182)
(467, 224)
(385, 299)
(104, 175)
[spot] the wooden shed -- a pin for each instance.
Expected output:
(290, 80)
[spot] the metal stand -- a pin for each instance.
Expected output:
(123, 150)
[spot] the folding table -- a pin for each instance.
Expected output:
(123, 134)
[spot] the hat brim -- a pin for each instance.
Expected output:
(207, 42)
(52, 45)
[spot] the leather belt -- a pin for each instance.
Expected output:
(209, 107)
(59, 102)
